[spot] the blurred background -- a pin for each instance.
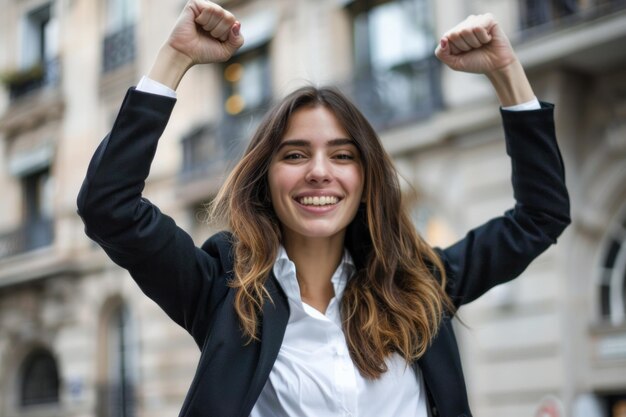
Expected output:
(77, 337)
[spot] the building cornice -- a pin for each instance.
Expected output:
(45, 264)
(440, 127)
(582, 46)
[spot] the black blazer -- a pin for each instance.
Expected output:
(190, 283)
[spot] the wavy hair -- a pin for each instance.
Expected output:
(396, 299)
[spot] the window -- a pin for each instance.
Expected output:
(37, 188)
(600, 405)
(120, 14)
(36, 229)
(119, 40)
(40, 37)
(202, 157)
(39, 379)
(39, 64)
(247, 93)
(209, 149)
(117, 396)
(396, 81)
(613, 275)
(37, 197)
(246, 83)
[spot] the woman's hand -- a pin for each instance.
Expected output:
(476, 45)
(204, 33)
(479, 45)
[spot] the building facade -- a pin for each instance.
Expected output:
(78, 338)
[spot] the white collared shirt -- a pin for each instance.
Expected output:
(314, 375)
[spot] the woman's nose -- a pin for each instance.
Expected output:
(318, 171)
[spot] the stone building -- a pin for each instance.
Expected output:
(77, 337)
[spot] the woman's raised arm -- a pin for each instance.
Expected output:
(204, 33)
(502, 248)
(161, 257)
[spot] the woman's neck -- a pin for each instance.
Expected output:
(316, 261)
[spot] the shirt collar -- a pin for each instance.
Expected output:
(285, 272)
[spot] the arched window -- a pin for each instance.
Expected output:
(39, 379)
(613, 274)
(117, 396)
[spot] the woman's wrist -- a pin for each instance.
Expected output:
(169, 67)
(511, 84)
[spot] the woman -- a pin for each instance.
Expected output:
(322, 299)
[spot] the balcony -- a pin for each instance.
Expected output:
(25, 82)
(210, 150)
(402, 94)
(118, 48)
(587, 38)
(537, 16)
(203, 153)
(30, 236)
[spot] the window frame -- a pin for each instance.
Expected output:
(119, 369)
(611, 295)
(403, 92)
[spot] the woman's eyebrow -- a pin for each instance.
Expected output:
(303, 143)
(294, 142)
(341, 142)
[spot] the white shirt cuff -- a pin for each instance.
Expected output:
(148, 85)
(529, 105)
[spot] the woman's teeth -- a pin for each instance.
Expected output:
(318, 201)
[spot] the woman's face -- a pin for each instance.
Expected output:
(316, 176)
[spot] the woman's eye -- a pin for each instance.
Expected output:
(344, 156)
(294, 156)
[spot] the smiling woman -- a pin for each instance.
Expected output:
(321, 299)
(317, 145)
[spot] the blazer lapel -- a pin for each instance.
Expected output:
(273, 324)
(443, 375)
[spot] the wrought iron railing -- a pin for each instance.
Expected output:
(32, 235)
(398, 95)
(210, 149)
(546, 14)
(45, 74)
(118, 48)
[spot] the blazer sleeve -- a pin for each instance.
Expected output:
(160, 256)
(502, 248)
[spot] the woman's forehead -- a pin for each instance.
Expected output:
(314, 122)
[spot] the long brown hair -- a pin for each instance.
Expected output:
(396, 299)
